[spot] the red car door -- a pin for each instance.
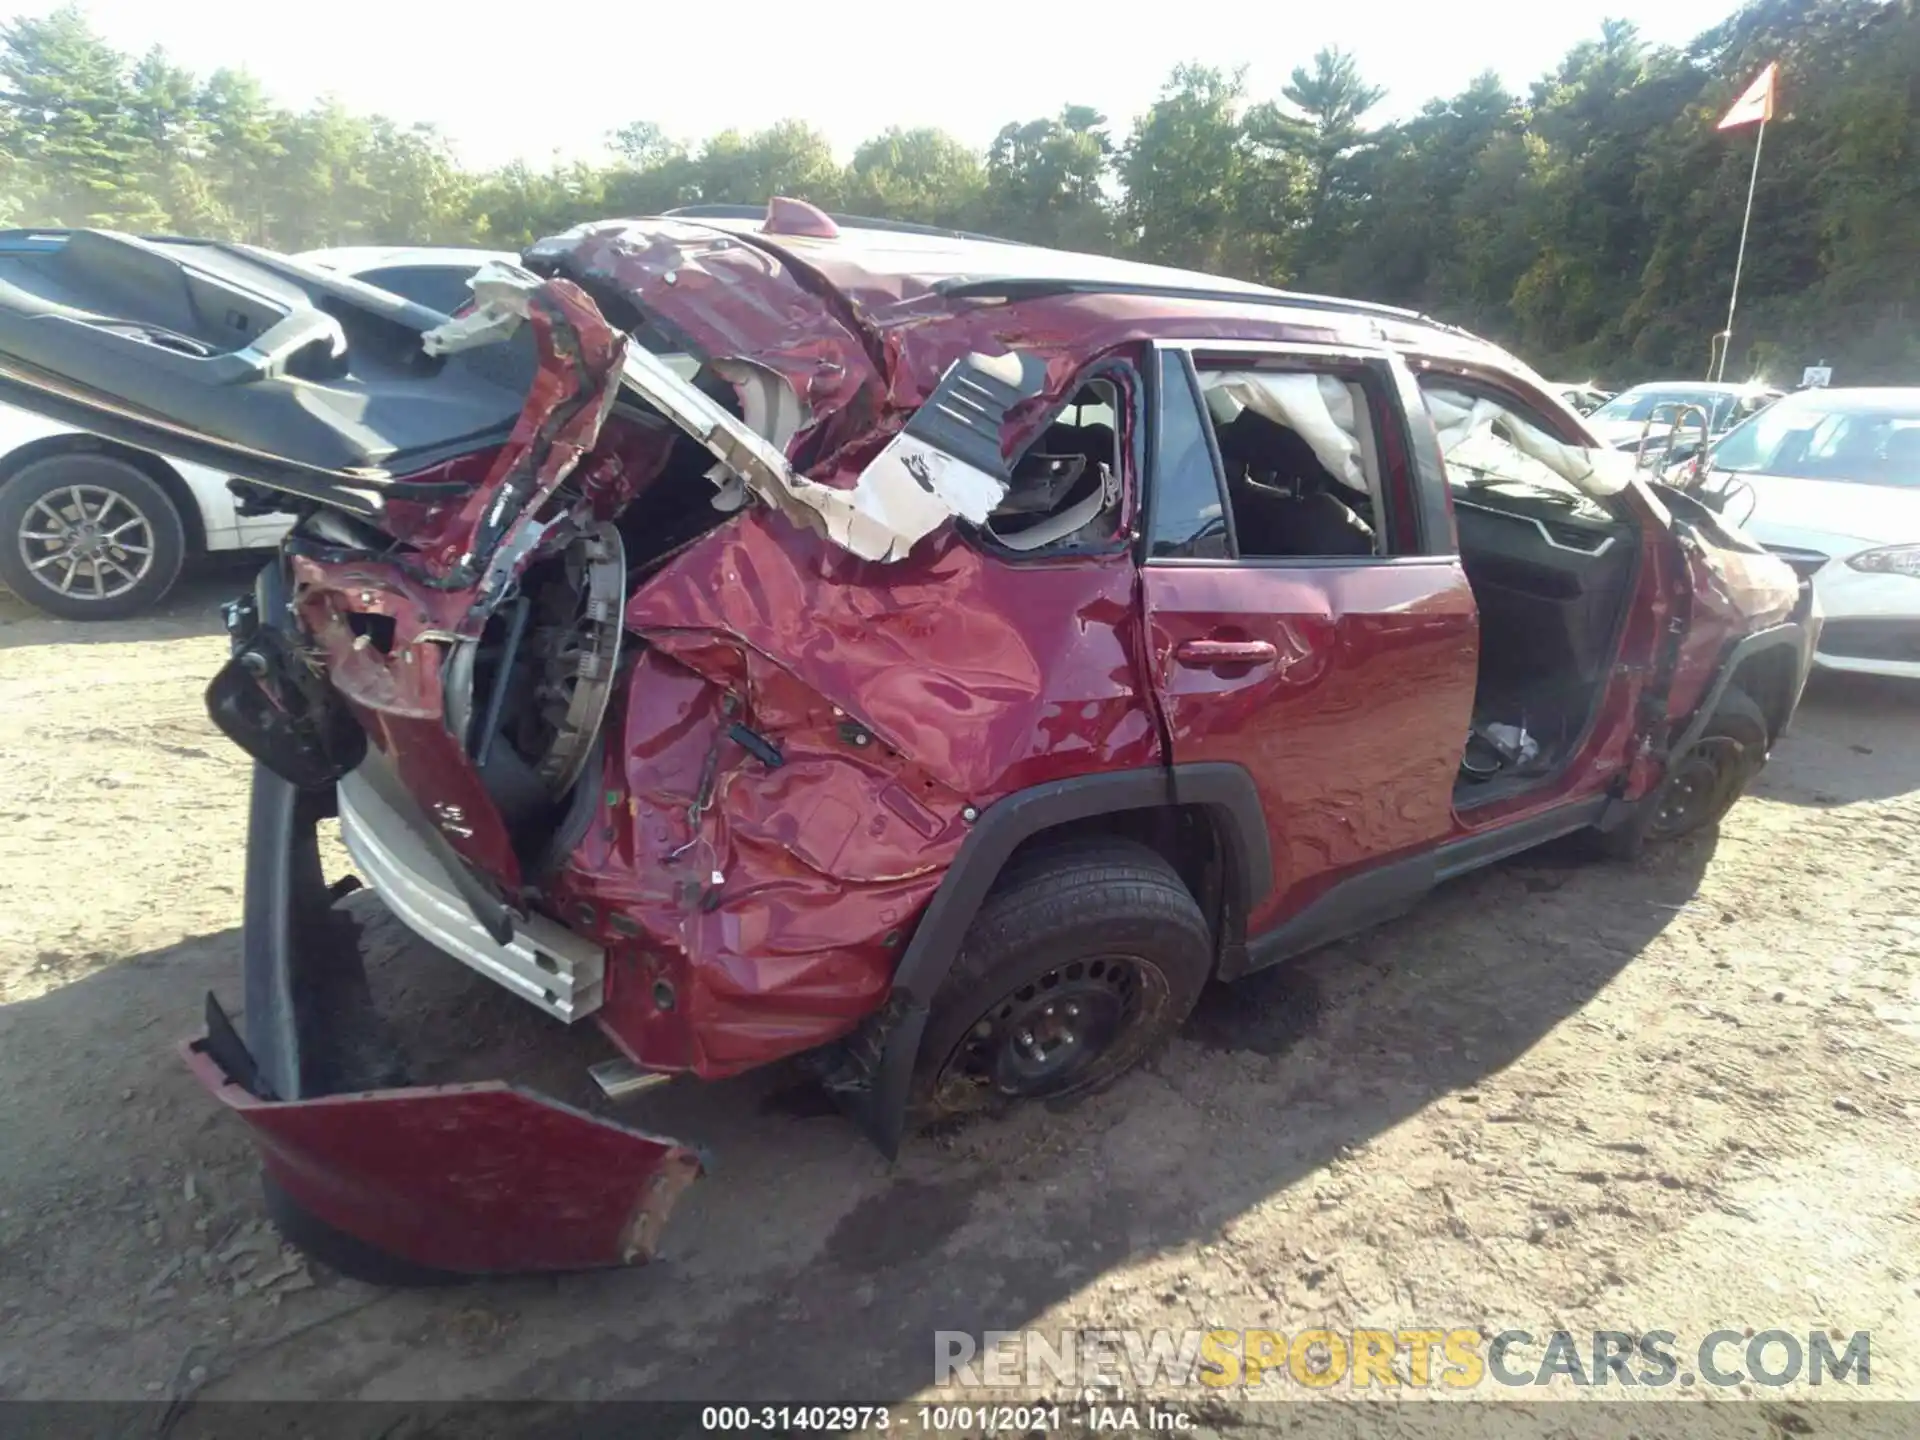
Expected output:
(1342, 681)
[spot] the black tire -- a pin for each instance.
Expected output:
(1703, 784)
(1095, 944)
(126, 500)
(343, 1253)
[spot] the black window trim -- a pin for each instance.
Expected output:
(1397, 386)
(1165, 356)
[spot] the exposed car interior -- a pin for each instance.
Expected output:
(1064, 492)
(1551, 569)
(1551, 566)
(1301, 463)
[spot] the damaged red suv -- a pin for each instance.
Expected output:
(762, 636)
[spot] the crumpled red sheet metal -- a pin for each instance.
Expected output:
(577, 380)
(471, 551)
(728, 298)
(1732, 593)
(751, 911)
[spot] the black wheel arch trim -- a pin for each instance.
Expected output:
(1222, 788)
(1791, 635)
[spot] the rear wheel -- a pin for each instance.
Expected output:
(88, 537)
(1082, 961)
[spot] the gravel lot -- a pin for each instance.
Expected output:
(1678, 1095)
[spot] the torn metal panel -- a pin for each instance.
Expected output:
(915, 485)
(721, 296)
(572, 395)
(945, 463)
(437, 603)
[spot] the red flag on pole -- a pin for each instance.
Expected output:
(1756, 106)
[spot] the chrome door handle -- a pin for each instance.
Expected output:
(1218, 654)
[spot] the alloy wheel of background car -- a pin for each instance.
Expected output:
(1084, 958)
(88, 537)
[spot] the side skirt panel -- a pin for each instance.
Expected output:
(1364, 900)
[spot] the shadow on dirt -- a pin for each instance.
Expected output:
(191, 609)
(803, 1266)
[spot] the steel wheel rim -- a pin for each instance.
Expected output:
(1698, 783)
(1066, 1030)
(86, 542)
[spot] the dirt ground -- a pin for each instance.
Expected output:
(1674, 1095)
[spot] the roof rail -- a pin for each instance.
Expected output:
(1015, 287)
(854, 222)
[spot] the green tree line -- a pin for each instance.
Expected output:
(1590, 223)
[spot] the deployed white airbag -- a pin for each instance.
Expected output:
(1317, 408)
(1467, 439)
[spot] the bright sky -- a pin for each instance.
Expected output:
(530, 81)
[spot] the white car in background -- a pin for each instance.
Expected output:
(92, 530)
(1830, 481)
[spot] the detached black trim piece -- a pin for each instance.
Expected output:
(1221, 787)
(283, 880)
(967, 410)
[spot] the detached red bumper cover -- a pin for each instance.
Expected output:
(475, 1179)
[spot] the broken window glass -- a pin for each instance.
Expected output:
(1065, 488)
